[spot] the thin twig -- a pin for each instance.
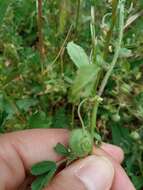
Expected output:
(132, 19)
(63, 45)
(79, 113)
(61, 49)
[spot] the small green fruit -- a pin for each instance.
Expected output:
(80, 143)
(135, 135)
(116, 117)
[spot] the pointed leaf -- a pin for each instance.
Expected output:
(84, 82)
(77, 54)
(43, 167)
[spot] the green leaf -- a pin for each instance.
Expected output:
(43, 180)
(39, 120)
(84, 82)
(121, 136)
(25, 104)
(138, 181)
(125, 53)
(61, 149)
(43, 167)
(60, 119)
(3, 7)
(3, 116)
(97, 137)
(6, 105)
(77, 54)
(138, 101)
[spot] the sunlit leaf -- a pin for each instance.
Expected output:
(84, 82)
(77, 54)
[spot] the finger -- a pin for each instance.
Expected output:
(114, 151)
(121, 180)
(91, 173)
(20, 150)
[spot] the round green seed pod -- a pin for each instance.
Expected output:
(80, 143)
(116, 117)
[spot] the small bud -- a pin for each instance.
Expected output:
(116, 117)
(135, 135)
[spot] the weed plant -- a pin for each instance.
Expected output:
(64, 64)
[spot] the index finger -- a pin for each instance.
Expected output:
(20, 150)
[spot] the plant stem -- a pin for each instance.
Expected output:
(63, 45)
(94, 117)
(93, 37)
(63, 16)
(72, 122)
(115, 58)
(108, 37)
(40, 34)
(77, 14)
(79, 113)
(109, 33)
(117, 49)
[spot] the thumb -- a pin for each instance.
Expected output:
(91, 173)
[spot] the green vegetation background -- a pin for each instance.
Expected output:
(30, 98)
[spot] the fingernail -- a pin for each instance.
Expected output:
(95, 173)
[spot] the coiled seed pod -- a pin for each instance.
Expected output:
(80, 143)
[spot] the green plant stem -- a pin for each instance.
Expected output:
(93, 37)
(110, 32)
(94, 117)
(63, 45)
(109, 35)
(117, 49)
(77, 14)
(64, 10)
(40, 34)
(79, 113)
(115, 58)
(72, 122)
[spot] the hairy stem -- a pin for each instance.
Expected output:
(94, 117)
(117, 49)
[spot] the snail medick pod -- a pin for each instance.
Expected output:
(81, 143)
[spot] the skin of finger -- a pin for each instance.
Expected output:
(69, 178)
(121, 180)
(20, 150)
(114, 151)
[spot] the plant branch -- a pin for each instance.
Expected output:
(117, 48)
(109, 33)
(79, 113)
(94, 117)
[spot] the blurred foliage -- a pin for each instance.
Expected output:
(30, 98)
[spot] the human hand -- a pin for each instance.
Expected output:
(20, 150)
